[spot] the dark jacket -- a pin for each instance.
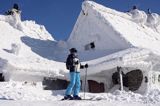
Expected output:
(73, 63)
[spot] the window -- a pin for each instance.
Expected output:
(90, 46)
(2, 77)
(54, 84)
(146, 79)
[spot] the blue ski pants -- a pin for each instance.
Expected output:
(74, 85)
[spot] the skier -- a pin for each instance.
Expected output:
(14, 15)
(14, 10)
(73, 64)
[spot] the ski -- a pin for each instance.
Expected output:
(90, 99)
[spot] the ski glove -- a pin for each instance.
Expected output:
(86, 66)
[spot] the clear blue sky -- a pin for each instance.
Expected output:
(59, 16)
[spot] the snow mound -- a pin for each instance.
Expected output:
(29, 28)
(138, 16)
(33, 92)
(24, 91)
(153, 20)
(39, 31)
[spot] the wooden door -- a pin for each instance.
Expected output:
(95, 87)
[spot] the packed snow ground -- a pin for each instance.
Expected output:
(71, 103)
(28, 49)
(20, 93)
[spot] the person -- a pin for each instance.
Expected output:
(73, 64)
(15, 9)
(15, 6)
(149, 11)
(14, 15)
(134, 7)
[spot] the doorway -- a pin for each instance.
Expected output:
(95, 87)
(134, 79)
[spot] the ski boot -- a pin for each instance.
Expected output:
(76, 97)
(68, 97)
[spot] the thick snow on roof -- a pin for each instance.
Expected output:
(132, 57)
(27, 47)
(113, 30)
(122, 39)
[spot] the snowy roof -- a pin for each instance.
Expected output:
(113, 30)
(27, 47)
(132, 57)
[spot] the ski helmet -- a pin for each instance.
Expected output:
(73, 50)
(15, 6)
(134, 7)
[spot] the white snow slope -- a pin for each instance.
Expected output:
(27, 49)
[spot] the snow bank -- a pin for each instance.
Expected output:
(33, 92)
(70, 103)
(24, 91)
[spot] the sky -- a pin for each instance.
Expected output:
(59, 16)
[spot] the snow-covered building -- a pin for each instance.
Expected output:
(105, 39)
(28, 53)
(114, 39)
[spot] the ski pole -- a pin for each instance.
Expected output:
(121, 77)
(85, 82)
